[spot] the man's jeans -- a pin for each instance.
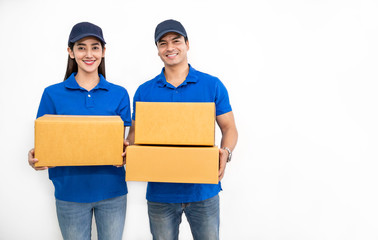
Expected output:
(203, 218)
(75, 219)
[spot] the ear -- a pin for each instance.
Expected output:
(187, 44)
(70, 52)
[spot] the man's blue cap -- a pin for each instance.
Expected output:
(169, 26)
(85, 29)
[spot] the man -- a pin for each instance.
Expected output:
(179, 82)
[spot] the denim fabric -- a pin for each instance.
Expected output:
(75, 219)
(203, 218)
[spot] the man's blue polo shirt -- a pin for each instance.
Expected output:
(87, 183)
(198, 87)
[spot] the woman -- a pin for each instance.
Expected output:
(82, 191)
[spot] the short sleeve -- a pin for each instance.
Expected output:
(46, 106)
(135, 99)
(124, 109)
(222, 102)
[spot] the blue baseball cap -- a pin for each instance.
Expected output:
(169, 26)
(85, 29)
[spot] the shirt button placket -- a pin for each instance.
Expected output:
(89, 100)
(176, 95)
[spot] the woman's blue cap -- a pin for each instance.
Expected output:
(85, 29)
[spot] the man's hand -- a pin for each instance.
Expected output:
(227, 126)
(223, 156)
(126, 143)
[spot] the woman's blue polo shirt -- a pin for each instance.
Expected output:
(87, 183)
(197, 87)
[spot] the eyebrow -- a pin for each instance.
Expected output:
(177, 37)
(82, 44)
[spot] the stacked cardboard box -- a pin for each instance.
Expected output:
(66, 140)
(174, 143)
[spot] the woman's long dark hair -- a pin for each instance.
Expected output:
(72, 65)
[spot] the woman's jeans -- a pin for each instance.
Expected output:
(75, 219)
(203, 218)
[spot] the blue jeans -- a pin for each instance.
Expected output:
(203, 218)
(75, 219)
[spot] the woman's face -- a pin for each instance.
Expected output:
(88, 54)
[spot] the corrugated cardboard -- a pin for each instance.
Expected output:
(172, 164)
(64, 140)
(175, 123)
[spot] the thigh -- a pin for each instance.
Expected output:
(110, 218)
(203, 218)
(75, 220)
(165, 219)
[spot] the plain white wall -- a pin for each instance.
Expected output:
(302, 79)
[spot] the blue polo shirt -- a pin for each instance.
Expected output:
(197, 87)
(87, 183)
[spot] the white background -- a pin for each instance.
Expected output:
(302, 79)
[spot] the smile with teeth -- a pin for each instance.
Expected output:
(89, 62)
(172, 55)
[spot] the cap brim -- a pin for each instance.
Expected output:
(77, 38)
(168, 31)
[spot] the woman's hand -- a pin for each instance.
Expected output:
(32, 160)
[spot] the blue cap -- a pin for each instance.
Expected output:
(85, 29)
(169, 26)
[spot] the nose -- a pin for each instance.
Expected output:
(170, 46)
(89, 53)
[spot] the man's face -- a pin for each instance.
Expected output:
(172, 49)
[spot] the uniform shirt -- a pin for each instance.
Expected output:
(197, 87)
(87, 183)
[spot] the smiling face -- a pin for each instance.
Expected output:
(172, 49)
(88, 54)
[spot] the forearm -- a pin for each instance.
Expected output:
(131, 136)
(227, 126)
(229, 138)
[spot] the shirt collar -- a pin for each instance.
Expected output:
(191, 78)
(71, 83)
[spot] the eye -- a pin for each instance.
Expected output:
(80, 48)
(96, 48)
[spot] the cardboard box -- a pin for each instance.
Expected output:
(64, 140)
(172, 164)
(175, 123)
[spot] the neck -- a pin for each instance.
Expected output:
(87, 80)
(176, 74)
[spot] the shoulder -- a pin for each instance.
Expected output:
(206, 76)
(115, 87)
(110, 87)
(209, 81)
(57, 87)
